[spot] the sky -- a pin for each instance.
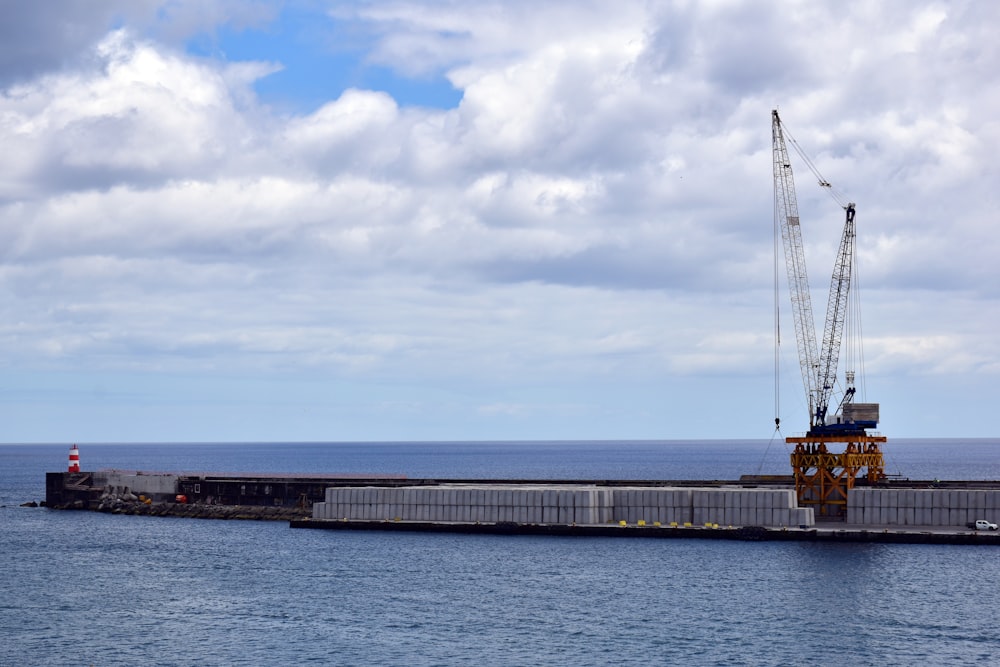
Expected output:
(253, 220)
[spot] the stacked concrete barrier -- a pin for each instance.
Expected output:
(749, 507)
(491, 504)
(566, 505)
(651, 505)
(922, 507)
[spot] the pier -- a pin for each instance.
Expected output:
(752, 508)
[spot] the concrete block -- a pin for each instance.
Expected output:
(699, 498)
(727, 499)
(962, 502)
(550, 514)
(718, 500)
(765, 501)
(977, 500)
(934, 499)
(992, 500)
(565, 515)
(550, 498)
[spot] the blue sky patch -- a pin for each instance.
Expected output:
(320, 59)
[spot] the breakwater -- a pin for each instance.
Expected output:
(748, 509)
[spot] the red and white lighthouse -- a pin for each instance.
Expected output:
(74, 459)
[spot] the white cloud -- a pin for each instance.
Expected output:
(595, 212)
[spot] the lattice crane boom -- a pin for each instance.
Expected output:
(836, 313)
(786, 212)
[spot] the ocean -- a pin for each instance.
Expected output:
(82, 588)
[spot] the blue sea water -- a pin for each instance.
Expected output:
(81, 588)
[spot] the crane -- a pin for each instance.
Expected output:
(818, 363)
(823, 478)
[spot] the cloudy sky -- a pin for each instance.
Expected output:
(318, 220)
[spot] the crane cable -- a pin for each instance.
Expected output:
(837, 195)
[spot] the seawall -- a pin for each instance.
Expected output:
(752, 508)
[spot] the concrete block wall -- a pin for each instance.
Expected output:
(922, 507)
(486, 504)
(566, 505)
(749, 507)
(665, 505)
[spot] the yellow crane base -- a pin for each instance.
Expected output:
(823, 477)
